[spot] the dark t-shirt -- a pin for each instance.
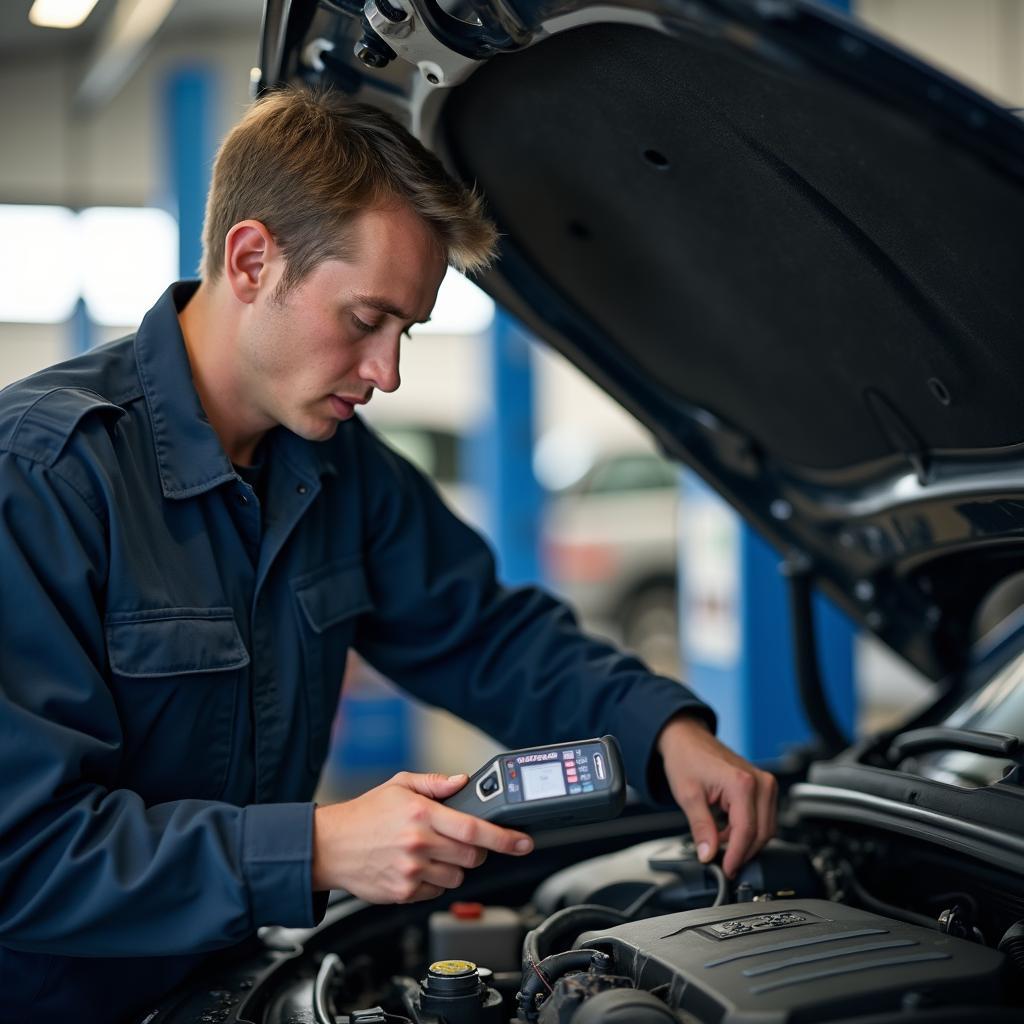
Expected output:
(255, 475)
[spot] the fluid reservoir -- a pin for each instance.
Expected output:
(456, 992)
(489, 935)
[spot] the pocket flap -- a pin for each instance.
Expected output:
(332, 594)
(174, 642)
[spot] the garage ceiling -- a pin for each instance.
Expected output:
(20, 38)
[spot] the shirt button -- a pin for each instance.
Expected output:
(242, 499)
(302, 488)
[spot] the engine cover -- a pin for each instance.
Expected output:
(798, 960)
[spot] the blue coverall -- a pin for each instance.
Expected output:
(171, 654)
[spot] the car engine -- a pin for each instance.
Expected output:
(848, 926)
(893, 893)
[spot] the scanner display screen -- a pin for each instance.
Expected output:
(542, 780)
(542, 774)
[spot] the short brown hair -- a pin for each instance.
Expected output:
(303, 163)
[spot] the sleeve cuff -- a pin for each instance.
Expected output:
(643, 718)
(277, 858)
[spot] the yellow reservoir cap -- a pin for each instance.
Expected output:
(451, 968)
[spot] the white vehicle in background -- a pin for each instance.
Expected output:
(610, 543)
(608, 537)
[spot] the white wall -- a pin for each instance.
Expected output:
(115, 156)
(980, 42)
(54, 152)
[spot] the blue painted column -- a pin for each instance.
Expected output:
(736, 632)
(501, 456)
(189, 105)
(82, 330)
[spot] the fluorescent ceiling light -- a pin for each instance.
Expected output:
(131, 27)
(60, 13)
(461, 308)
(129, 256)
(39, 264)
(118, 259)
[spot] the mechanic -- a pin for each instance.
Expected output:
(195, 529)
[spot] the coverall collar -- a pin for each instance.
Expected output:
(190, 457)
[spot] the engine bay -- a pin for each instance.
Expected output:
(893, 893)
(832, 922)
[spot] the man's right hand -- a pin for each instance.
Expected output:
(397, 844)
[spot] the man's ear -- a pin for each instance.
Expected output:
(249, 251)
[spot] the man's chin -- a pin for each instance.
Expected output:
(318, 429)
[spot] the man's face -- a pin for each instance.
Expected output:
(309, 359)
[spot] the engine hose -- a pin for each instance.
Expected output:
(723, 885)
(655, 891)
(540, 976)
(1012, 944)
(880, 907)
(571, 920)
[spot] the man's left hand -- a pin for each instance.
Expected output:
(703, 772)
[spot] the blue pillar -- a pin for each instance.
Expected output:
(737, 635)
(82, 329)
(501, 456)
(191, 141)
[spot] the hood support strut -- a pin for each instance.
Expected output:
(805, 659)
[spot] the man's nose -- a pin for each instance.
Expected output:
(380, 368)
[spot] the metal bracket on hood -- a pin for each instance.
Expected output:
(899, 433)
(446, 49)
(412, 40)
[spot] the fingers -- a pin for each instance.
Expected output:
(384, 847)
(739, 798)
(424, 891)
(701, 771)
(415, 877)
(749, 796)
(463, 828)
(471, 831)
(751, 799)
(432, 784)
(702, 825)
(462, 855)
(445, 876)
(767, 806)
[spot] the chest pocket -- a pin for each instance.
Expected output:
(329, 600)
(175, 673)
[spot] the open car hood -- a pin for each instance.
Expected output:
(789, 249)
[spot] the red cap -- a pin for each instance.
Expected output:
(467, 911)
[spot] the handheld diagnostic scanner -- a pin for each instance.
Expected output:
(553, 786)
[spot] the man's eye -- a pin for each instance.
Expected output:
(362, 325)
